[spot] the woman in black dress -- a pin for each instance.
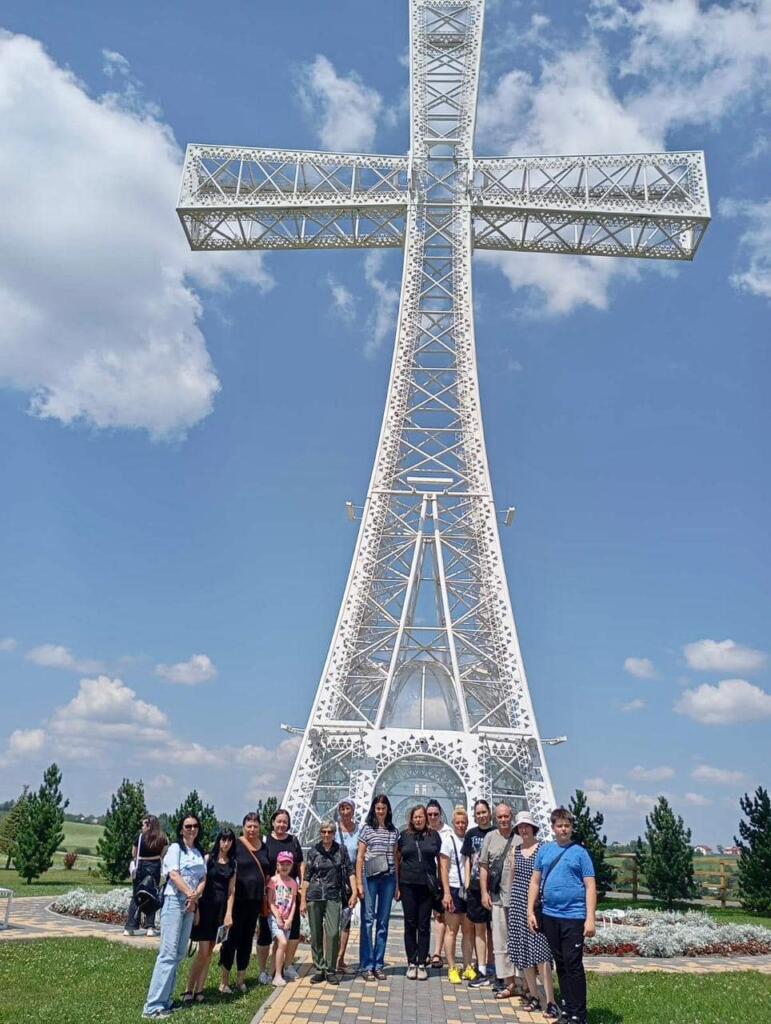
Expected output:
(252, 871)
(215, 908)
(416, 851)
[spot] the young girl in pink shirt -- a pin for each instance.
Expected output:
(282, 897)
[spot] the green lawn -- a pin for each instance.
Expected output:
(78, 834)
(92, 981)
(656, 998)
(731, 915)
(53, 882)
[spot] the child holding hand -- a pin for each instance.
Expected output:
(282, 897)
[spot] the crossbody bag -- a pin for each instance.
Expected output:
(461, 886)
(538, 908)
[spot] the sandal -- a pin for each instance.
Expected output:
(507, 992)
(187, 997)
(530, 1004)
(436, 962)
(200, 997)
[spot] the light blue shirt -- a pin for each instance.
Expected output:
(350, 841)
(190, 864)
(564, 893)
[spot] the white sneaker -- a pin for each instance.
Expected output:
(412, 972)
(265, 978)
(290, 973)
(151, 933)
(128, 931)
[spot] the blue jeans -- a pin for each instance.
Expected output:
(378, 897)
(176, 926)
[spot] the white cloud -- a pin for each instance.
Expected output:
(161, 781)
(23, 742)
(58, 656)
(633, 705)
(7, 644)
(187, 752)
(731, 701)
(754, 276)
(197, 669)
(616, 797)
(381, 322)
(717, 776)
(638, 71)
(344, 110)
(100, 322)
(115, 64)
(641, 668)
(697, 800)
(723, 656)
(651, 774)
(343, 301)
(106, 709)
(275, 767)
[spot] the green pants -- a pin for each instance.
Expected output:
(324, 920)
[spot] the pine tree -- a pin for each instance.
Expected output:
(193, 804)
(9, 828)
(41, 833)
(666, 858)
(122, 825)
(266, 810)
(755, 856)
(586, 831)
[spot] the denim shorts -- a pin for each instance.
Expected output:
(275, 930)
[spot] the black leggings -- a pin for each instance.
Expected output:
(566, 939)
(417, 904)
(238, 944)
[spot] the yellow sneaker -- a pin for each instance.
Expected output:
(453, 976)
(469, 974)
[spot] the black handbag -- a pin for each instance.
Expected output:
(345, 882)
(538, 906)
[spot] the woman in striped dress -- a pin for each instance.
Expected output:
(529, 951)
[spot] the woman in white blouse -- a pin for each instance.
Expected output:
(185, 870)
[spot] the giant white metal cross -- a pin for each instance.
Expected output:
(424, 691)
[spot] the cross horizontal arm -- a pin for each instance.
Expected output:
(238, 198)
(652, 205)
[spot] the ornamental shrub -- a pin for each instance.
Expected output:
(40, 832)
(755, 857)
(587, 831)
(665, 858)
(70, 860)
(122, 825)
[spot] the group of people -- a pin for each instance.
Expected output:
(517, 902)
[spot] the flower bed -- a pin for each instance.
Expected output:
(653, 933)
(109, 907)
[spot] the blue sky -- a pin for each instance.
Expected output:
(180, 432)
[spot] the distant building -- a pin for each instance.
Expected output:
(732, 851)
(701, 848)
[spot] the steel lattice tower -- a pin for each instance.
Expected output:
(424, 691)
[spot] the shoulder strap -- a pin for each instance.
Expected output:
(553, 865)
(256, 861)
(507, 847)
(457, 858)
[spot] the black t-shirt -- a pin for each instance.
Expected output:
(276, 846)
(249, 881)
(413, 868)
(472, 847)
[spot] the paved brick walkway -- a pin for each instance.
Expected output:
(393, 1001)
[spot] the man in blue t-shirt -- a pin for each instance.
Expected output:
(564, 875)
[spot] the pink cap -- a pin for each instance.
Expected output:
(285, 857)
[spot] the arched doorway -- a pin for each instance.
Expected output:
(417, 778)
